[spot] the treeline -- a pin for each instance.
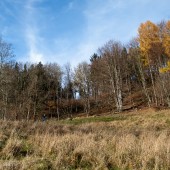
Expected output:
(117, 78)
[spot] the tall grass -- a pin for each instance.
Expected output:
(137, 141)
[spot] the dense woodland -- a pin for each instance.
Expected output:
(118, 77)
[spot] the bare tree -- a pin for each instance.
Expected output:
(111, 54)
(68, 87)
(83, 83)
(135, 57)
(6, 53)
(54, 87)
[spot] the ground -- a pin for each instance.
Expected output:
(138, 139)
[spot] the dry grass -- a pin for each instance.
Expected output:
(139, 140)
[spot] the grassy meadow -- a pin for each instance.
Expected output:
(138, 140)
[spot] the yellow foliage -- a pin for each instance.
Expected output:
(166, 41)
(149, 41)
(165, 69)
(168, 64)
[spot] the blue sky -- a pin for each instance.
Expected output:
(72, 30)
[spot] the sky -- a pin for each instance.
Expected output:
(71, 31)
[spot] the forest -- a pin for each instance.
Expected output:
(116, 78)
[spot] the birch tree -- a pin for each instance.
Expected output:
(111, 53)
(83, 83)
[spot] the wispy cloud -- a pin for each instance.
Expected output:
(33, 39)
(5, 6)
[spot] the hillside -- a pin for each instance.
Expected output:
(134, 140)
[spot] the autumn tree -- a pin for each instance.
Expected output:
(166, 44)
(150, 43)
(166, 40)
(163, 79)
(151, 49)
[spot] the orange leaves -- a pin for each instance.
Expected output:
(149, 41)
(165, 69)
(154, 43)
(166, 40)
(166, 45)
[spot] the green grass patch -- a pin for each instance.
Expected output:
(78, 121)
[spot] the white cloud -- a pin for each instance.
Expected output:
(36, 57)
(33, 39)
